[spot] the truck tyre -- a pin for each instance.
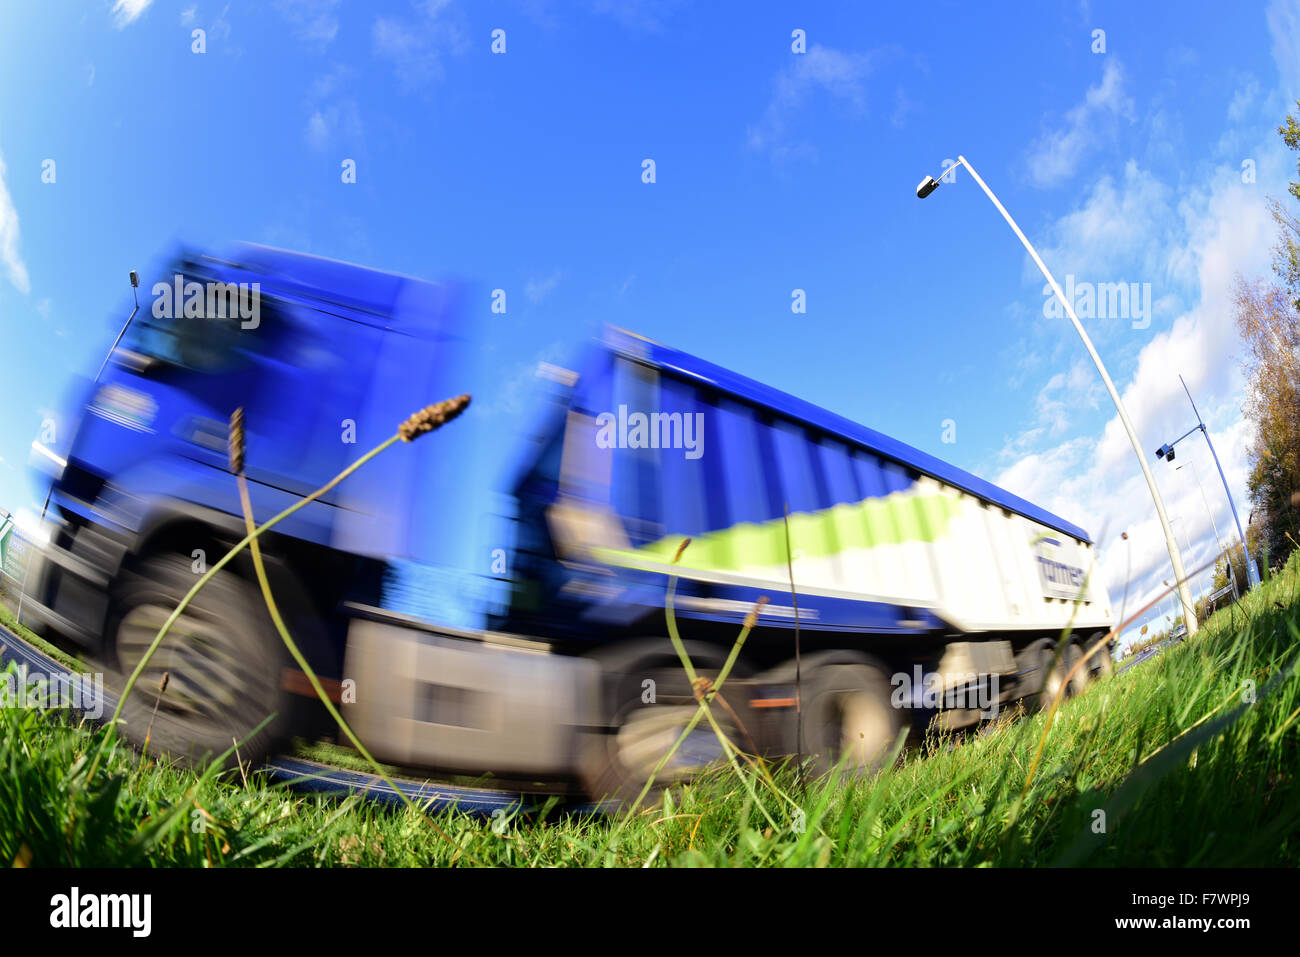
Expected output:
(222, 657)
(1102, 660)
(1036, 659)
(639, 733)
(1083, 676)
(1055, 679)
(849, 719)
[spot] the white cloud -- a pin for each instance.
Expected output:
(538, 289)
(1067, 391)
(333, 113)
(1283, 18)
(822, 69)
(315, 22)
(645, 15)
(1244, 101)
(1057, 153)
(14, 266)
(1116, 233)
(318, 132)
(220, 29)
(126, 12)
(416, 47)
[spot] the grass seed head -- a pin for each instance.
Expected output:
(432, 417)
(752, 618)
(235, 441)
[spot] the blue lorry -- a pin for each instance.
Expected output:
(919, 591)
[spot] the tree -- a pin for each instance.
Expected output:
(1268, 319)
(1269, 323)
(1286, 260)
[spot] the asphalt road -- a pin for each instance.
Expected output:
(1142, 656)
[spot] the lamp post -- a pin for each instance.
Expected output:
(928, 186)
(1166, 452)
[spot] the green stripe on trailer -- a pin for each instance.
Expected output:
(895, 519)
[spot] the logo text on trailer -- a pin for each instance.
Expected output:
(1061, 569)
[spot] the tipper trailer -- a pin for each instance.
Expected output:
(919, 590)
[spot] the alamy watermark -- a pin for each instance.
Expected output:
(182, 299)
(1105, 300)
(925, 690)
(651, 430)
(133, 912)
(21, 688)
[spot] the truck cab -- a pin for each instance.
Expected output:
(325, 359)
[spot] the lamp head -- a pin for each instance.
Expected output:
(926, 187)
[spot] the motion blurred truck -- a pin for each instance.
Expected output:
(921, 593)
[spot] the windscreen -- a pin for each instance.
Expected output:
(200, 323)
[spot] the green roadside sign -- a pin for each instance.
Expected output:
(13, 551)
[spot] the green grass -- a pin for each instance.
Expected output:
(1185, 769)
(36, 641)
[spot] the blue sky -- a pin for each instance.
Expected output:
(775, 171)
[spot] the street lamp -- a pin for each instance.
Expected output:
(1166, 452)
(928, 186)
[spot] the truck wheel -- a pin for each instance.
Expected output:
(618, 764)
(1036, 659)
(1082, 677)
(1052, 685)
(222, 659)
(1105, 664)
(849, 720)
